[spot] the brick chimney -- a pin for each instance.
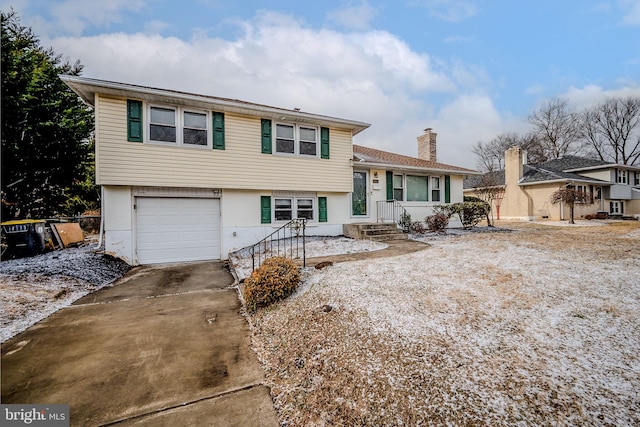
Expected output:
(427, 146)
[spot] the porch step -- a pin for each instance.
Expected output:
(378, 231)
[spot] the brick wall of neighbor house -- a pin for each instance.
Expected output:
(241, 165)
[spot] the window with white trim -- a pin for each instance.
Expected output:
(398, 187)
(621, 176)
(297, 140)
(178, 126)
(417, 188)
(288, 208)
(435, 188)
(615, 207)
(636, 180)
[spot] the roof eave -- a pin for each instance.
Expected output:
(87, 88)
(565, 180)
(405, 168)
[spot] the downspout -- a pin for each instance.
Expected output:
(101, 217)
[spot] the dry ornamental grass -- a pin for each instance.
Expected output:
(539, 326)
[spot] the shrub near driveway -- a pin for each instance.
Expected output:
(276, 279)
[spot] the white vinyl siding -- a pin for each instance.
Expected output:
(241, 165)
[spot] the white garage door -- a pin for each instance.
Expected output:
(177, 229)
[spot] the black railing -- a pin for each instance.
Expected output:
(287, 241)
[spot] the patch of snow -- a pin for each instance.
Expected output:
(33, 288)
(314, 247)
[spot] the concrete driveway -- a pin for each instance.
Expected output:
(164, 346)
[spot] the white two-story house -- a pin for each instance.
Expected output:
(188, 177)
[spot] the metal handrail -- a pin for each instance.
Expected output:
(285, 241)
(390, 210)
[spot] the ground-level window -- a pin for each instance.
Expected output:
(435, 188)
(288, 208)
(417, 188)
(616, 207)
(398, 188)
(636, 181)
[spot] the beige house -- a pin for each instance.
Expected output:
(523, 191)
(188, 177)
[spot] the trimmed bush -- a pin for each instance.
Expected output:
(275, 280)
(417, 227)
(437, 222)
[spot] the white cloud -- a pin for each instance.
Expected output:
(357, 17)
(73, 16)
(631, 11)
(450, 10)
(591, 95)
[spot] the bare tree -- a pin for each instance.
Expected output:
(557, 127)
(491, 154)
(570, 196)
(611, 130)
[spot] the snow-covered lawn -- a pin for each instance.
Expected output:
(540, 326)
(33, 288)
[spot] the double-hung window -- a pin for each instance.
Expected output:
(179, 126)
(296, 140)
(636, 181)
(288, 208)
(162, 125)
(435, 188)
(194, 128)
(621, 176)
(398, 187)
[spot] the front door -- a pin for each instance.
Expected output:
(359, 195)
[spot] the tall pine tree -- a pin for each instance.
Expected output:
(46, 144)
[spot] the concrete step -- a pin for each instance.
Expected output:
(386, 237)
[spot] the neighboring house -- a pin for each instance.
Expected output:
(416, 184)
(188, 177)
(524, 191)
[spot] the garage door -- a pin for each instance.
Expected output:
(177, 229)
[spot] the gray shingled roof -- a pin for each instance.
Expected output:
(552, 170)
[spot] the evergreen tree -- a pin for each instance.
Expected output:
(46, 145)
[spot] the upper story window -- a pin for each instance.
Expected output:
(179, 126)
(296, 140)
(621, 176)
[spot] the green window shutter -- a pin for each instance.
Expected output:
(218, 131)
(265, 209)
(324, 143)
(134, 121)
(322, 209)
(266, 136)
(447, 189)
(389, 185)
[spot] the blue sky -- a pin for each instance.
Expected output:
(469, 69)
